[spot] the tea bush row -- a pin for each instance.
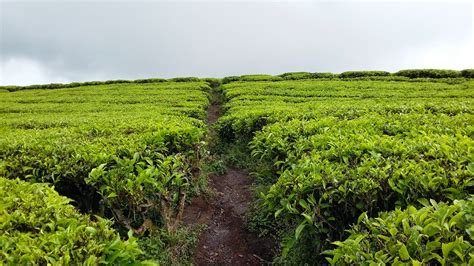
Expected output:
(330, 150)
(129, 152)
(38, 226)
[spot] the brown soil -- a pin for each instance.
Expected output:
(213, 113)
(226, 240)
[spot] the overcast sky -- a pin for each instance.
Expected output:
(64, 41)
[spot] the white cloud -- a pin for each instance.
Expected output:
(460, 56)
(24, 71)
(131, 40)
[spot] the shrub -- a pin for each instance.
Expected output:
(428, 73)
(331, 171)
(37, 226)
(356, 74)
(89, 83)
(52, 86)
(213, 82)
(148, 179)
(467, 73)
(321, 75)
(256, 77)
(260, 77)
(230, 79)
(93, 83)
(295, 75)
(117, 81)
(11, 88)
(307, 75)
(151, 80)
(438, 233)
(390, 78)
(185, 79)
(72, 85)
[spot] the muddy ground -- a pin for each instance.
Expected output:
(226, 240)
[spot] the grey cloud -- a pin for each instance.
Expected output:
(84, 40)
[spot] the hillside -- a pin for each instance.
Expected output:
(353, 168)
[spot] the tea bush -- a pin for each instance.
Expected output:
(328, 150)
(260, 77)
(230, 79)
(249, 78)
(151, 80)
(467, 73)
(127, 151)
(296, 75)
(213, 82)
(438, 233)
(94, 83)
(357, 74)
(185, 79)
(331, 171)
(321, 75)
(428, 73)
(37, 226)
(252, 105)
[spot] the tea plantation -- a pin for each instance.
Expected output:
(332, 152)
(121, 151)
(362, 167)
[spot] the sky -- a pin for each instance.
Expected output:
(66, 41)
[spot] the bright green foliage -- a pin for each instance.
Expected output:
(331, 171)
(37, 226)
(335, 149)
(331, 147)
(438, 233)
(428, 73)
(108, 147)
(143, 186)
(253, 105)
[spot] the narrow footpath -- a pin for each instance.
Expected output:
(226, 240)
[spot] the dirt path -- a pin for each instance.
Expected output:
(226, 241)
(213, 114)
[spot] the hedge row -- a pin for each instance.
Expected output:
(429, 73)
(38, 226)
(400, 75)
(257, 77)
(357, 74)
(307, 75)
(91, 83)
(214, 82)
